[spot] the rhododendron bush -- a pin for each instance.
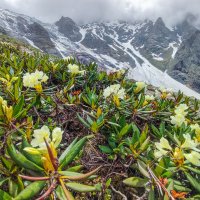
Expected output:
(72, 131)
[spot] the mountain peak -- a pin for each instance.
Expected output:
(159, 26)
(159, 22)
(69, 28)
(185, 29)
(65, 20)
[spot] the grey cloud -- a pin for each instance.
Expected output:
(172, 11)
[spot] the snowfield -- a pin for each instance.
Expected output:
(157, 78)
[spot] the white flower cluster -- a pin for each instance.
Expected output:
(74, 69)
(180, 113)
(44, 132)
(149, 97)
(164, 93)
(114, 90)
(34, 79)
(163, 148)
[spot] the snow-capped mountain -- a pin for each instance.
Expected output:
(149, 49)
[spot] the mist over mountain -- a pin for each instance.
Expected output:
(87, 11)
(150, 49)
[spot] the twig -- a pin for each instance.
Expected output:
(143, 196)
(30, 178)
(48, 192)
(38, 114)
(159, 184)
(118, 192)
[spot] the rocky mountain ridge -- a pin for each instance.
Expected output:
(138, 45)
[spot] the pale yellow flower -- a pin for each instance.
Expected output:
(121, 93)
(122, 71)
(178, 120)
(39, 136)
(180, 113)
(115, 87)
(162, 147)
(163, 144)
(34, 79)
(149, 97)
(41, 76)
(114, 90)
(140, 86)
(178, 156)
(74, 69)
(165, 92)
(193, 157)
(189, 143)
(181, 109)
(107, 92)
(44, 132)
(57, 136)
(29, 80)
(196, 128)
(159, 153)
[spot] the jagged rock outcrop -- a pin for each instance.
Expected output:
(186, 65)
(69, 29)
(2, 31)
(105, 46)
(185, 29)
(40, 37)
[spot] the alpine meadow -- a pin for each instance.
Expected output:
(100, 111)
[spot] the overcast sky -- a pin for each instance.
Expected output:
(89, 10)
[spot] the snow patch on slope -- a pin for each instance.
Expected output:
(157, 78)
(110, 59)
(59, 47)
(31, 43)
(148, 73)
(83, 33)
(157, 57)
(174, 47)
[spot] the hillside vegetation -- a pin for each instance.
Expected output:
(70, 131)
